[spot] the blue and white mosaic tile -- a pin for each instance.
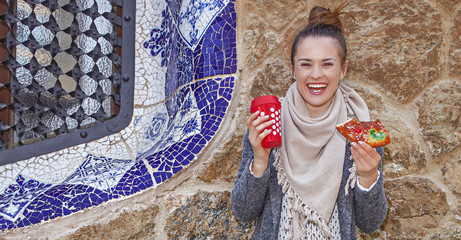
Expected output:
(186, 66)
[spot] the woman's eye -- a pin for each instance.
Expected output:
(305, 64)
(328, 64)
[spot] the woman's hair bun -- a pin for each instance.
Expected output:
(324, 23)
(324, 16)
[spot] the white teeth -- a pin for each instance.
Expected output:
(316, 91)
(317, 85)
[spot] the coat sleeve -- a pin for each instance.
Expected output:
(249, 192)
(371, 206)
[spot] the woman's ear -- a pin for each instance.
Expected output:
(344, 68)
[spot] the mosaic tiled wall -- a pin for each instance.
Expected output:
(185, 71)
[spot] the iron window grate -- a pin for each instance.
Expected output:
(66, 73)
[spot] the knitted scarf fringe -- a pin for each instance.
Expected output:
(295, 204)
(352, 179)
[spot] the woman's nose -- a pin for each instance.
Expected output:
(317, 72)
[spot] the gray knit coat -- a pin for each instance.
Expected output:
(261, 199)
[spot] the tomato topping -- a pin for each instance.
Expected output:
(358, 130)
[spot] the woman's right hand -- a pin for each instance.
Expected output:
(257, 132)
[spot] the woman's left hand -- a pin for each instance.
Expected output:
(366, 159)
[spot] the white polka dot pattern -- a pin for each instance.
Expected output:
(274, 117)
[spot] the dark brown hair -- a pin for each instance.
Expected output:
(324, 23)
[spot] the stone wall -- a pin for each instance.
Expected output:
(405, 60)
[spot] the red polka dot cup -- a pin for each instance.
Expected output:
(269, 105)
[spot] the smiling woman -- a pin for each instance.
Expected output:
(313, 167)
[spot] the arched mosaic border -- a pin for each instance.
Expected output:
(174, 119)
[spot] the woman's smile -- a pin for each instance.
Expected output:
(317, 88)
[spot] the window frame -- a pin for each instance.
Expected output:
(99, 130)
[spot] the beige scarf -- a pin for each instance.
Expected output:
(311, 156)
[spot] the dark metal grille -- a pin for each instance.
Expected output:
(62, 81)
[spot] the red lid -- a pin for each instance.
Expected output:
(266, 99)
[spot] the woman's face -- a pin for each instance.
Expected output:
(317, 69)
